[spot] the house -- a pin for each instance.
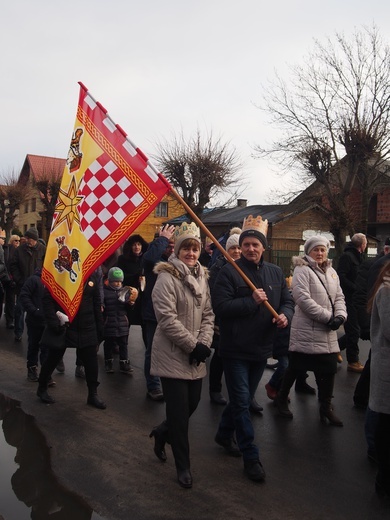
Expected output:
(36, 168)
(289, 225)
(286, 227)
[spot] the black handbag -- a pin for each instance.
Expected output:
(5, 278)
(53, 338)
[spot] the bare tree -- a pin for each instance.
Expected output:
(200, 169)
(334, 117)
(48, 186)
(12, 195)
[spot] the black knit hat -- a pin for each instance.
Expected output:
(32, 233)
(255, 227)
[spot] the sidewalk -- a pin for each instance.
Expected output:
(313, 471)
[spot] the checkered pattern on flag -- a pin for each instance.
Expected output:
(108, 188)
(108, 197)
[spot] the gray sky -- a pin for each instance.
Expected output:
(159, 67)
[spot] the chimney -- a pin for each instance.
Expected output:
(242, 203)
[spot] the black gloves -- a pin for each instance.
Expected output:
(335, 323)
(200, 354)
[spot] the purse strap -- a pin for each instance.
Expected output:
(324, 286)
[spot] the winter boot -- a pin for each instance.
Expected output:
(160, 434)
(125, 367)
(108, 366)
(80, 371)
(94, 399)
(32, 374)
(281, 403)
(44, 396)
(327, 414)
(281, 399)
(325, 383)
(301, 387)
(60, 366)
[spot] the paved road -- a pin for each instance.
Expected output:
(313, 471)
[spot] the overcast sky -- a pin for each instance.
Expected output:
(159, 67)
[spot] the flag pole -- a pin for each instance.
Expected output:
(217, 244)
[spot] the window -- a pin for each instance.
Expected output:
(26, 207)
(162, 209)
(33, 204)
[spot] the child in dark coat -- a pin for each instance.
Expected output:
(116, 322)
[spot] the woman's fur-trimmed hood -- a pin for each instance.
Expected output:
(299, 261)
(173, 271)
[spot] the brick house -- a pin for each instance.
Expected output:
(35, 168)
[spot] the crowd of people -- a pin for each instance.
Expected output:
(193, 303)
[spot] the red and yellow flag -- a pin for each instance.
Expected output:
(108, 188)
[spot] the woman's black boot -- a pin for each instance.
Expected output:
(281, 399)
(94, 399)
(325, 384)
(301, 386)
(44, 396)
(327, 414)
(160, 438)
(184, 478)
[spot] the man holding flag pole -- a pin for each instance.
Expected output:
(108, 188)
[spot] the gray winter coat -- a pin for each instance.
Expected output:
(380, 351)
(310, 333)
(184, 318)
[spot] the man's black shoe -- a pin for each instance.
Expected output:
(44, 396)
(184, 478)
(254, 470)
(301, 387)
(155, 395)
(217, 398)
(94, 400)
(229, 445)
(254, 406)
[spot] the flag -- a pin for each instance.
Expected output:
(108, 188)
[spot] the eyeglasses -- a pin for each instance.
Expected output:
(2, 238)
(15, 240)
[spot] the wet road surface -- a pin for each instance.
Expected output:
(105, 457)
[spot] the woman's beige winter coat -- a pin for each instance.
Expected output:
(310, 333)
(185, 317)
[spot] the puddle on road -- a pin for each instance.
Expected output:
(28, 487)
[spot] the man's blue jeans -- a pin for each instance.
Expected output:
(19, 318)
(242, 379)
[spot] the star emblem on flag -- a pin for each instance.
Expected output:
(66, 207)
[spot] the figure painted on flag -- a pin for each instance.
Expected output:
(66, 258)
(74, 154)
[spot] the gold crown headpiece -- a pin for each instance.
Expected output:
(255, 223)
(187, 229)
(183, 232)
